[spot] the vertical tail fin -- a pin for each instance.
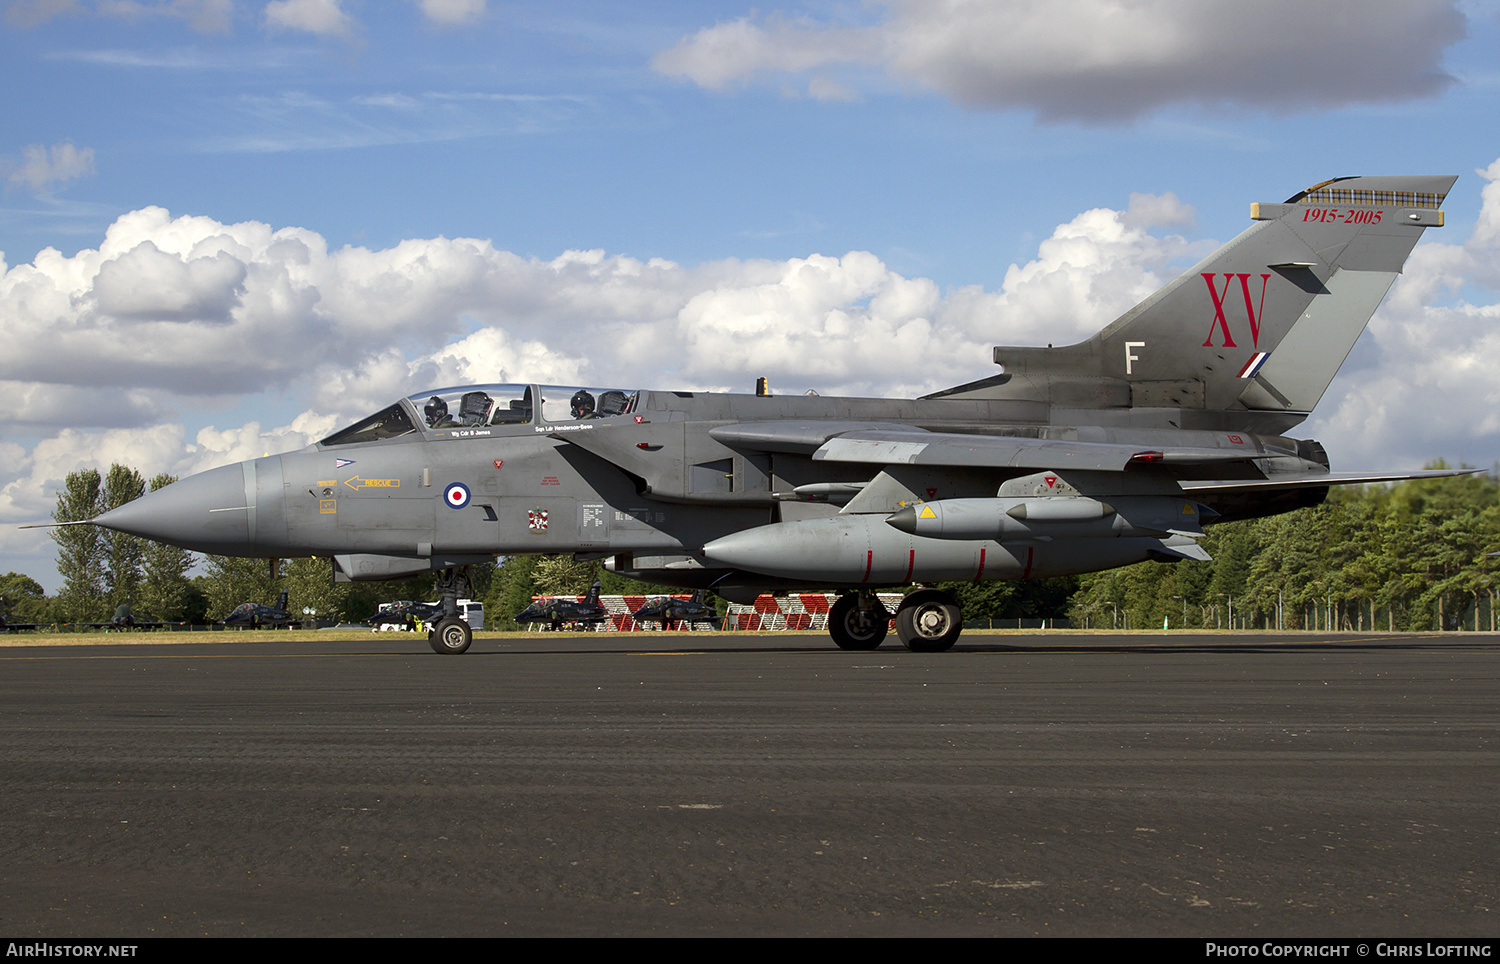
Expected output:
(1259, 326)
(281, 601)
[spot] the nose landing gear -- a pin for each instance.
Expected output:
(452, 634)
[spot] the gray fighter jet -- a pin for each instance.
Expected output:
(1069, 460)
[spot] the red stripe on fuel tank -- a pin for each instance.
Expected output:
(911, 563)
(1029, 552)
(980, 574)
(869, 562)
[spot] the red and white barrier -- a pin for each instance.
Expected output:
(798, 612)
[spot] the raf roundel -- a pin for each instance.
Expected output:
(456, 495)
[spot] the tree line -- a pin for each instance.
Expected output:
(102, 569)
(1411, 556)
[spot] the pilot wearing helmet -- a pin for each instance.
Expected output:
(436, 412)
(583, 404)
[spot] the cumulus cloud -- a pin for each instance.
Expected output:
(42, 168)
(214, 447)
(162, 299)
(204, 16)
(33, 478)
(1428, 389)
(452, 13)
(1104, 60)
(30, 13)
(826, 88)
(146, 282)
(488, 355)
(323, 17)
(40, 406)
(169, 314)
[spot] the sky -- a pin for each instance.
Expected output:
(230, 227)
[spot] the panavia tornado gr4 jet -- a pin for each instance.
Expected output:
(1069, 460)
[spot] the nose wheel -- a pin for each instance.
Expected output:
(450, 636)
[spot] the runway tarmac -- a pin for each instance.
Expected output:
(1216, 785)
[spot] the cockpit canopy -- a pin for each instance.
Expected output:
(457, 412)
(473, 406)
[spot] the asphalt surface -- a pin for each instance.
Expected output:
(1219, 785)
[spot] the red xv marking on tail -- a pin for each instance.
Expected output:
(1255, 313)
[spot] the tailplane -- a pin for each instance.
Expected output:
(1259, 326)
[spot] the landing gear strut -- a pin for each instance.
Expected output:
(452, 634)
(858, 621)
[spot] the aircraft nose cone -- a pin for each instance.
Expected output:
(207, 512)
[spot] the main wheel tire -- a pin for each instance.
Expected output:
(451, 637)
(929, 622)
(845, 625)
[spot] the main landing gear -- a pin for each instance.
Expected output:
(858, 621)
(451, 634)
(928, 621)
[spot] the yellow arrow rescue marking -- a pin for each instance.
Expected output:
(359, 483)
